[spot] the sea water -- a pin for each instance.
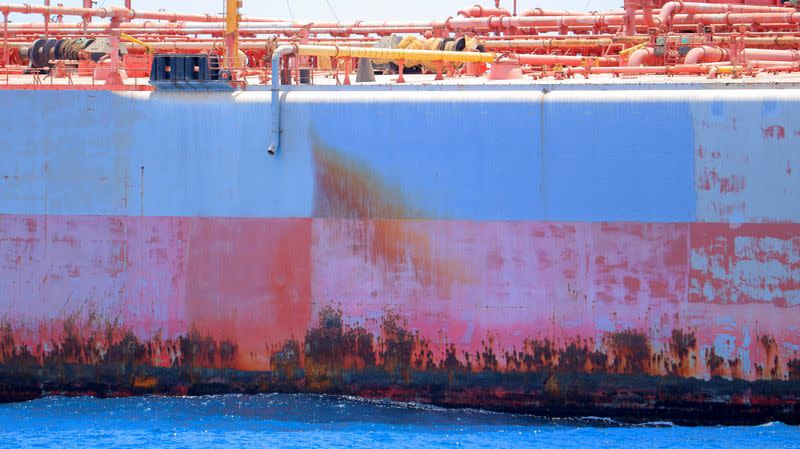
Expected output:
(312, 421)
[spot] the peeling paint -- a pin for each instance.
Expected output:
(547, 273)
(93, 355)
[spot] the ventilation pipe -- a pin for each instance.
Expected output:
(275, 100)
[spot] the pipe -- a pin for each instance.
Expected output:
(706, 53)
(537, 12)
(5, 39)
(215, 28)
(680, 69)
(117, 11)
(175, 46)
(602, 21)
(505, 23)
(46, 21)
(647, 13)
(481, 11)
(630, 17)
(762, 64)
(631, 7)
(537, 60)
(630, 50)
(771, 55)
(275, 101)
(147, 47)
(670, 9)
(232, 33)
(503, 44)
(761, 41)
(641, 57)
(763, 18)
(334, 51)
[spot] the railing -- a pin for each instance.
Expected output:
(71, 76)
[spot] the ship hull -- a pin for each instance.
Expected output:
(629, 251)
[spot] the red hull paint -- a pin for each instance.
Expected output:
(473, 285)
(241, 279)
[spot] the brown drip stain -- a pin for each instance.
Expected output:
(86, 339)
(631, 351)
(715, 363)
(773, 366)
(683, 347)
(378, 214)
(332, 347)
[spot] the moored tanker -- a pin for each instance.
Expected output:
(546, 212)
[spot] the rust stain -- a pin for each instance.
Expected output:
(710, 180)
(86, 339)
(631, 352)
(715, 363)
(86, 354)
(286, 361)
(777, 132)
(145, 382)
(683, 346)
(345, 188)
(332, 347)
(773, 366)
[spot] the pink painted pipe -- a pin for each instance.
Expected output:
(630, 9)
(706, 53)
(642, 57)
(482, 11)
(503, 23)
(539, 12)
(536, 60)
(683, 69)
(763, 54)
(116, 12)
(601, 21)
(670, 9)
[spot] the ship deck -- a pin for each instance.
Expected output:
(17, 81)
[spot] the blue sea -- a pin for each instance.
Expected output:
(310, 421)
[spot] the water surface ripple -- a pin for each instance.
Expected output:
(310, 421)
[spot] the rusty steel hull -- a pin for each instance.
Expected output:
(478, 247)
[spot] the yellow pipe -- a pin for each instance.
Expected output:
(729, 68)
(147, 47)
(335, 51)
(630, 50)
(232, 33)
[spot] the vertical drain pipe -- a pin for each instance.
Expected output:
(275, 102)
